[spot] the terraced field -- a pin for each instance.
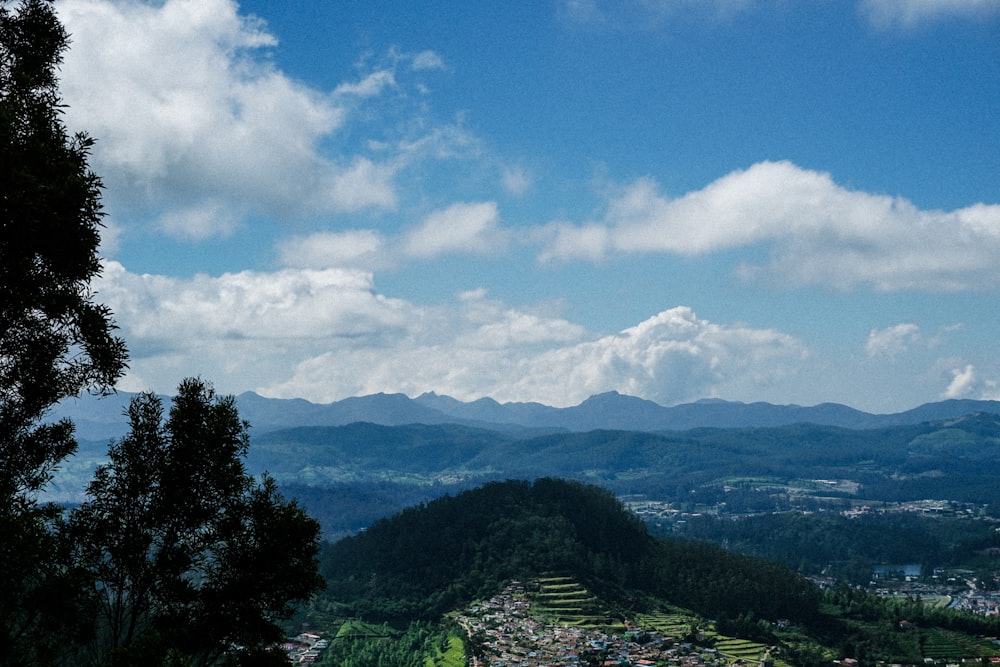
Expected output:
(740, 649)
(943, 644)
(564, 601)
(666, 623)
(673, 624)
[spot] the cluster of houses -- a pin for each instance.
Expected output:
(305, 648)
(506, 635)
(978, 602)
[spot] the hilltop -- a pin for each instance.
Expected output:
(435, 557)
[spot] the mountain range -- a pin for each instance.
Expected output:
(103, 418)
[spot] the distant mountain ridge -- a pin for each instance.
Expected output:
(102, 418)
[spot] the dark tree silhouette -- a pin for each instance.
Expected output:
(193, 558)
(55, 340)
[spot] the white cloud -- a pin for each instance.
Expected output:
(189, 112)
(197, 223)
(962, 384)
(966, 380)
(991, 391)
(462, 227)
(885, 14)
(244, 330)
(465, 227)
(327, 334)
(372, 85)
(892, 340)
(323, 250)
(563, 241)
(817, 232)
(286, 304)
(670, 358)
(427, 60)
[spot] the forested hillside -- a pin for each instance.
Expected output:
(848, 548)
(430, 559)
(883, 459)
(439, 557)
(332, 468)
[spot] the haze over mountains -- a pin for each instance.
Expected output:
(354, 461)
(102, 418)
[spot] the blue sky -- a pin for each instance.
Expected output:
(789, 201)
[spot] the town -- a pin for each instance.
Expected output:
(507, 631)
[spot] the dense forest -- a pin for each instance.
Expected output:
(432, 558)
(952, 460)
(849, 547)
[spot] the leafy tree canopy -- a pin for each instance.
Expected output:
(55, 340)
(192, 557)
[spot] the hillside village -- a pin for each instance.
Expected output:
(507, 631)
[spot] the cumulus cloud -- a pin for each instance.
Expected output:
(244, 329)
(967, 380)
(327, 334)
(886, 14)
(991, 391)
(962, 384)
(816, 232)
(191, 113)
(286, 304)
(515, 356)
(669, 358)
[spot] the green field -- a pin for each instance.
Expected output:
(941, 644)
(452, 656)
(666, 623)
(356, 629)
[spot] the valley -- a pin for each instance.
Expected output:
(821, 506)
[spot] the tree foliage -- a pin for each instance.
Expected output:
(192, 557)
(848, 547)
(55, 340)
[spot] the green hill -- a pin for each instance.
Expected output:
(436, 557)
(589, 564)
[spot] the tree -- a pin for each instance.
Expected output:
(55, 340)
(192, 557)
